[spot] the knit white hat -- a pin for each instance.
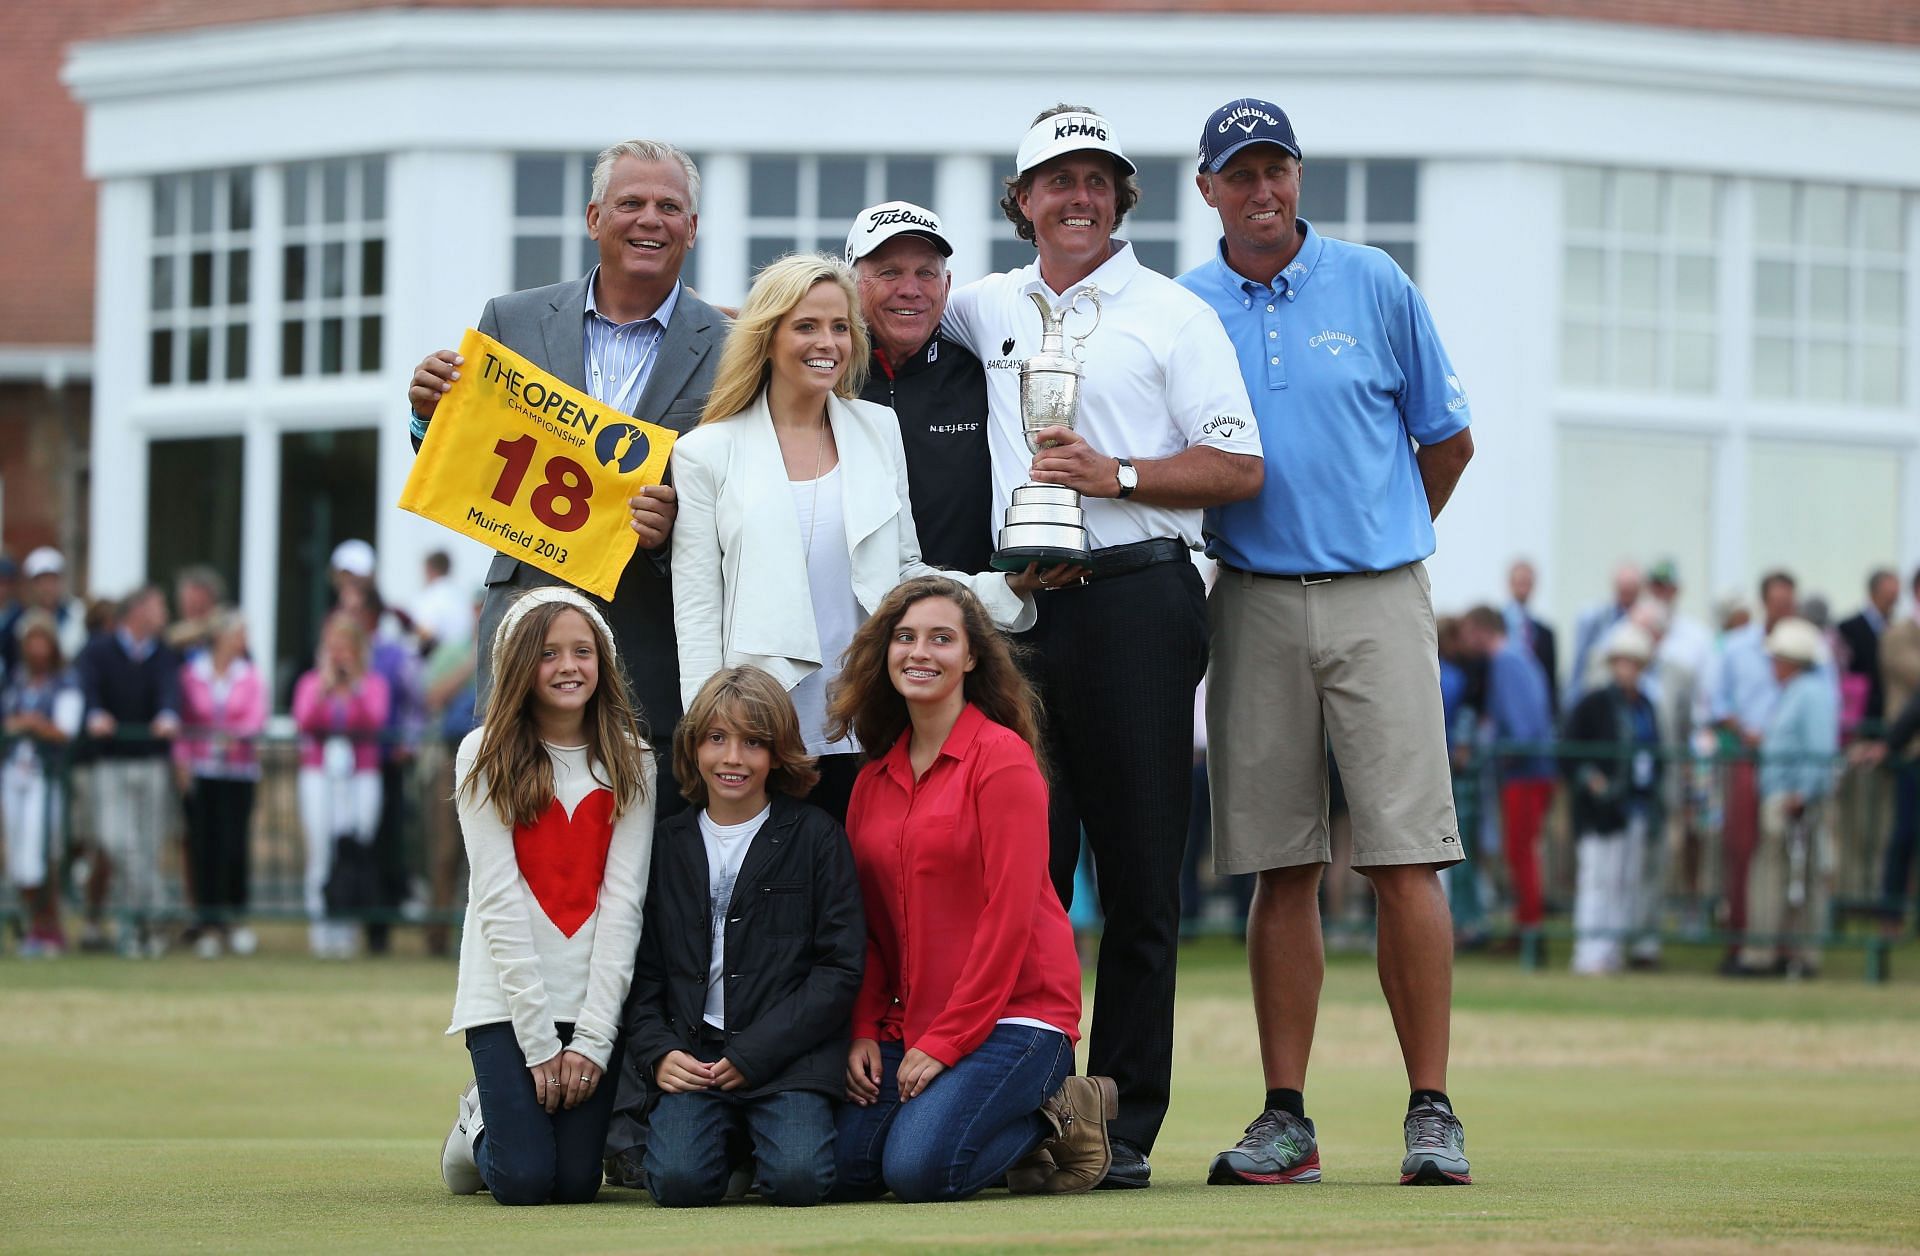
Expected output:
(544, 595)
(1797, 641)
(1629, 641)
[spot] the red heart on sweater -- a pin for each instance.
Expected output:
(564, 858)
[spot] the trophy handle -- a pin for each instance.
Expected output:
(1091, 295)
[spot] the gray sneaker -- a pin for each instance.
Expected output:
(1436, 1148)
(1278, 1148)
(457, 1168)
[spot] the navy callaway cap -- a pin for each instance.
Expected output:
(1239, 123)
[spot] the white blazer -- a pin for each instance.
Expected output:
(740, 593)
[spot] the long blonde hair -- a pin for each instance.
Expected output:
(780, 286)
(512, 759)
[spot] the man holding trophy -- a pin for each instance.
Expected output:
(1117, 414)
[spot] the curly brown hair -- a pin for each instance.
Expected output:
(512, 759)
(1126, 193)
(864, 702)
(750, 702)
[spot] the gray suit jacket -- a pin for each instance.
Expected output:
(547, 326)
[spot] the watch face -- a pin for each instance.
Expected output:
(1129, 477)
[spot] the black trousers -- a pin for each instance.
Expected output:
(1116, 662)
(219, 821)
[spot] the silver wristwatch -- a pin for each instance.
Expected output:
(1129, 477)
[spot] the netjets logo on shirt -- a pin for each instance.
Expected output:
(1333, 341)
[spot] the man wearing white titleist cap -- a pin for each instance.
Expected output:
(931, 383)
(1164, 430)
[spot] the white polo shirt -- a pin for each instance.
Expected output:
(1161, 376)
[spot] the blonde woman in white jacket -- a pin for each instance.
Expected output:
(794, 520)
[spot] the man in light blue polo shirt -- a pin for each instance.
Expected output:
(1323, 633)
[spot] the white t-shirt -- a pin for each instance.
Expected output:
(726, 851)
(1160, 376)
(836, 612)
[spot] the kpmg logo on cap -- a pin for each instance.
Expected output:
(888, 217)
(1248, 119)
(1080, 124)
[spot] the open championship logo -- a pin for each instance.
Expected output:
(622, 445)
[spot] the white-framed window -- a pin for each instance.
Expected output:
(1829, 293)
(1639, 292)
(550, 241)
(1366, 202)
(797, 203)
(199, 277)
(1152, 225)
(333, 266)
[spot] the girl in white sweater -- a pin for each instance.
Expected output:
(558, 824)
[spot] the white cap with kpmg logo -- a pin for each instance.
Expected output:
(1069, 133)
(877, 224)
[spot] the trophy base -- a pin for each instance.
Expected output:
(1020, 557)
(1045, 525)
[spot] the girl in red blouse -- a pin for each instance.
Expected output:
(961, 1066)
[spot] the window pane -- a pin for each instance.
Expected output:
(579, 182)
(166, 190)
(537, 186)
(842, 189)
(1636, 357)
(1693, 364)
(238, 279)
(1883, 298)
(1390, 191)
(332, 331)
(296, 195)
(1691, 206)
(1636, 199)
(763, 249)
(1825, 207)
(199, 351)
(1010, 255)
(1773, 213)
(1827, 370)
(1880, 382)
(1773, 289)
(1694, 281)
(201, 197)
(1404, 252)
(1640, 282)
(333, 191)
(1156, 255)
(536, 261)
(370, 342)
(1773, 366)
(200, 280)
(373, 267)
(1159, 180)
(160, 289)
(333, 267)
(240, 200)
(293, 272)
(1827, 294)
(160, 357)
(1583, 199)
(293, 345)
(236, 351)
(373, 189)
(910, 179)
(1580, 348)
(773, 187)
(1881, 225)
(1323, 192)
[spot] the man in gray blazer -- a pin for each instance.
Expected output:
(634, 337)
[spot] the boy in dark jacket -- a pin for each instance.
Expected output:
(750, 958)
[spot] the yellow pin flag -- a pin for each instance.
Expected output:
(535, 468)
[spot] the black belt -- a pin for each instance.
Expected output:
(1123, 560)
(1301, 577)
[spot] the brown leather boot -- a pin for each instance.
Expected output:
(1078, 1155)
(1029, 1174)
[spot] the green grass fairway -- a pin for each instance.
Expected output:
(282, 1105)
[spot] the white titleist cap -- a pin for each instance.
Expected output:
(45, 561)
(880, 223)
(1069, 133)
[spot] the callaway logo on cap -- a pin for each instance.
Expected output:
(1069, 133)
(1240, 123)
(873, 227)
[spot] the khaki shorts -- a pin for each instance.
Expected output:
(1352, 664)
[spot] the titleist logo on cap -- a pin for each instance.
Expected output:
(888, 217)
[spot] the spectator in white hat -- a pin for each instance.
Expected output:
(44, 573)
(1787, 881)
(1613, 787)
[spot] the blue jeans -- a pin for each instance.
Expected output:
(527, 1156)
(964, 1131)
(695, 1139)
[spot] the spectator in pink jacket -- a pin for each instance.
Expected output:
(223, 706)
(340, 707)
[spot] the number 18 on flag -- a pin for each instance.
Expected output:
(534, 468)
